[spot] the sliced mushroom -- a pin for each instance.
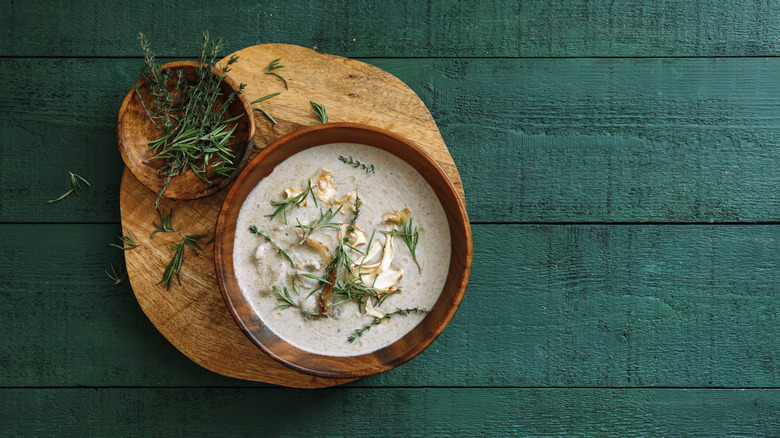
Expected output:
(320, 247)
(373, 311)
(325, 189)
(355, 237)
(397, 217)
(348, 199)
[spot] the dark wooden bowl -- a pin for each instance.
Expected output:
(134, 132)
(419, 337)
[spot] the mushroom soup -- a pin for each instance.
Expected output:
(342, 249)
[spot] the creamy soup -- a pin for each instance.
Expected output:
(373, 293)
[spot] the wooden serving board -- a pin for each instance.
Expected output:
(193, 315)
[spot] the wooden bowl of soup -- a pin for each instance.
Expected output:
(343, 250)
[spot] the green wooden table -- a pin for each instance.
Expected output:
(620, 162)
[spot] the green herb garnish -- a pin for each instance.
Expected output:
(286, 301)
(128, 240)
(165, 225)
(369, 168)
(410, 237)
(116, 277)
(191, 241)
(403, 312)
(75, 184)
(324, 221)
(319, 111)
(274, 65)
(253, 229)
(195, 134)
(269, 116)
(286, 206)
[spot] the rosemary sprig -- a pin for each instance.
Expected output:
(403, 312)
(266, 113)
(324, 221)
(165, 225)
(286, 206)
(75, 184)
(369, 168)
(191, 241)
(409, 234)
(195, 134)
(266, 97)
(254, 230)
(319, 111)
(286, 301)
(128, 240)
(274, 65)
(116, 277)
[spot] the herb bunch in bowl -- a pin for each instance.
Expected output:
(195, 134)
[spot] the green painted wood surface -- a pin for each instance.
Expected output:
(549, 305)
(539, 140)
(596, 141)
(498, 28)
(417, 412)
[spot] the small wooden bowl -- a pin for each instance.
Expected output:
(419, 337)
(134, 131)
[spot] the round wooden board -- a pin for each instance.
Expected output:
(193, 315)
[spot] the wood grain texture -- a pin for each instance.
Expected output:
(497, 28)
(629, 140)
(423, 412)
(196, 320)
(582, 306)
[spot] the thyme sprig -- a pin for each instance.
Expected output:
(254, 230)
(266, 113)
(320, 112)
(116, 277)
(403, 312)
(369, 168)
(195, 134)
(286, 301)
(286, 206)
(75, 184)
(274, 65)
(128, 240)
(324, 221)
(191, 241)
(165, 225)
(408, 233)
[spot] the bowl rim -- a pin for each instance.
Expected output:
(403, 349)
(218, 182)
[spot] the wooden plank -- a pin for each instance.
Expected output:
(586, 305)
(541, 140)
(501, 28)
(405, 412)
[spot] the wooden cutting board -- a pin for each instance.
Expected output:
(193, 315)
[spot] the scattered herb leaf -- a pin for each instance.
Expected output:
(116, 277)
(320, 112)
(165, 225)
(76, 187)
(191, 241)
(274, 65)
(128, 240)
